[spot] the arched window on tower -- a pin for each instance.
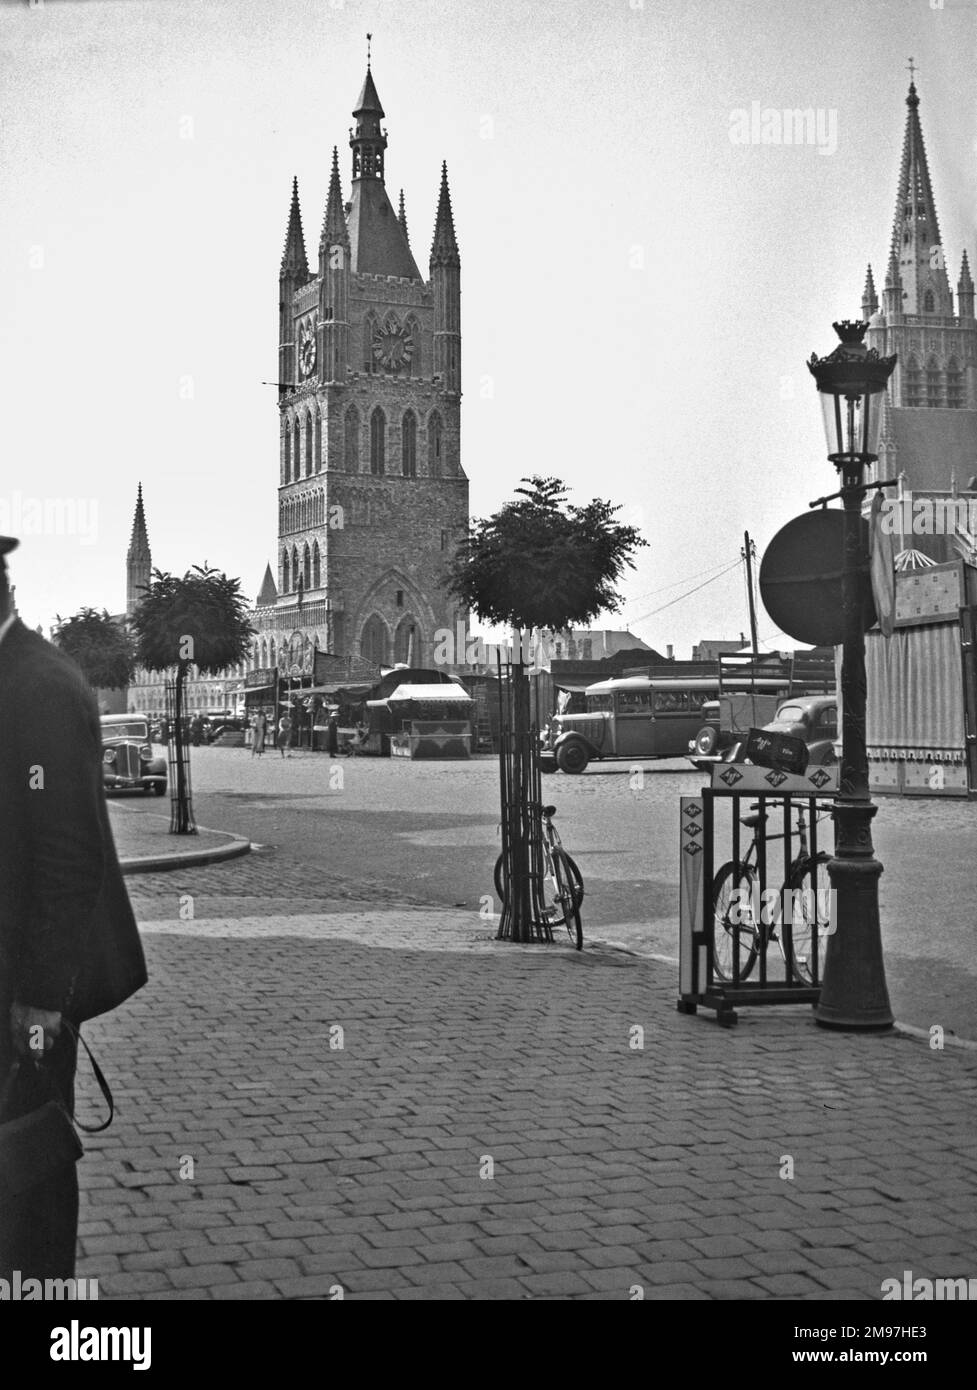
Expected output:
(914, 383)
(928, 302)
(286, 573)
(287, 461)
(272, 659)
(308, 443)
(296, 449)
(434, 444)
(307, 566)
(351, 442)
(369, 328)
(954, 385)
(316, 566)
(296, 572)
(408, 445)
(373, 640)
(318, 440)
(932, 383)
(378, 442)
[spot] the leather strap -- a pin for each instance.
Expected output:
(103, 1085)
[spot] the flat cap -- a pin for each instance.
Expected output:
(8, 543)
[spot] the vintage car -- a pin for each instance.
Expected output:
(814, 718)
(128, 760)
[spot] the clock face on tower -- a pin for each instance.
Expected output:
(306, 349)
(393, 348)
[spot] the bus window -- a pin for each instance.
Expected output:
(697, 698)
(599, 702)
(671, 701)
(633, 702)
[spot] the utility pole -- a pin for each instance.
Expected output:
(748, 553)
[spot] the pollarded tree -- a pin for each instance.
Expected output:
(102, 647)
(200, 620)
(539, 562)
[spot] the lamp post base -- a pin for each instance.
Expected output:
(854, 996)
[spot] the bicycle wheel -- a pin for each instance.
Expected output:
(809, 909)
(499, 884)
(566, 903)
(733, 889)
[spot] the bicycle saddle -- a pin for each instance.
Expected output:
(549, 810)
(752, 821)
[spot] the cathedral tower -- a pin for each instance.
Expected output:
(372, 497)
(930, 413)
(139, 560)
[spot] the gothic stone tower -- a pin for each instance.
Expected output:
(372, 495)
(930, 415)
(139, 561)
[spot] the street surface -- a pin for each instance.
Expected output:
(337, 1083)
(388, 830)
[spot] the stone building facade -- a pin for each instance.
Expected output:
(372, 496)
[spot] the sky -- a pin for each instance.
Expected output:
(642, 281)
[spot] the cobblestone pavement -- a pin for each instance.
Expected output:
(489, 1128)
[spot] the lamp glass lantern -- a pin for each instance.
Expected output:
(850, 382)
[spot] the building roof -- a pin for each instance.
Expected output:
(378, 243)
(268, 593)
(933, 446)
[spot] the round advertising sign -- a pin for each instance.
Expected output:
(800, 578)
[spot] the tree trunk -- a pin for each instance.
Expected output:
(181, 817)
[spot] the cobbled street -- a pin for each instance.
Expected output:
(338, 1084)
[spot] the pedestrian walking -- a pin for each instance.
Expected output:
(69, 947)
(332, 736)
(258, 725)
(285, 735)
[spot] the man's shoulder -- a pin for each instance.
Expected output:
(38, 673)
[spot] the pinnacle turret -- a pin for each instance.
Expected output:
(965, 290)
(294, 263)
(870, 300)
(334, 229)
(444, 247)
(402, 216)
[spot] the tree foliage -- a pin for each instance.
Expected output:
(200, 619)
(102, 648)
(543, 562)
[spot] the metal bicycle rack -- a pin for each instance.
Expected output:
(715, 816)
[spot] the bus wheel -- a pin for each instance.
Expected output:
(572, 758)
(706, 740)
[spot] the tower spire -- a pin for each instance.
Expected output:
(294, 263)
(916, 244)
(368, 140)
(444, 247)
(139, 559)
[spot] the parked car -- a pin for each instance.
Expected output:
(814, 718)
(128, 760)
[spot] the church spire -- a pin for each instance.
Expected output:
(444, 248)
(139, 560)
(294, 264)
(916, 244)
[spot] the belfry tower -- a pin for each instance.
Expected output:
(929, 428)
(372, 497)
(139, 560)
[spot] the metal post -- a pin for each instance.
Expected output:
(853, 988)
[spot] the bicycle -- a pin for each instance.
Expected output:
(562, 881)
(750, 932)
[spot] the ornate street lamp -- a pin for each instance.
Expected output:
(851, 381)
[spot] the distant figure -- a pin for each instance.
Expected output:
(332, 736)
(164, 730)
(258, 729)
(285, 735)
(196, 730)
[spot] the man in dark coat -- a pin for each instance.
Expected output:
(69, 946)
